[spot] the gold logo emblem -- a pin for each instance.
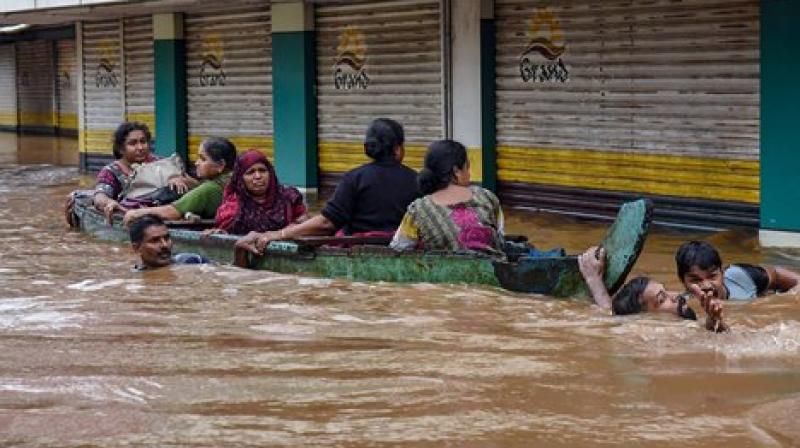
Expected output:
(545, 35)
(351, 58)
(351, 49)
(105, 76)
(546, 43)
(213, 56)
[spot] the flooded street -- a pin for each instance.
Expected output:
(94, 354)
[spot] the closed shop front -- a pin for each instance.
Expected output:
(67, 87)
(35, 86)
(602, 101)
(377, 59)
(8, 88)
(138, 56)
(103, 83)
(229, 76)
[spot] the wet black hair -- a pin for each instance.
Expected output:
(440, 160)
(220, 149)
(383, 136)
(121, 134)
(628, 300)
(696, 253)
(140, 226)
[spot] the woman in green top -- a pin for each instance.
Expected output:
(215, 160)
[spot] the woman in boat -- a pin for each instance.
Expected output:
(255, 201)
(369, 201)
(131, 145)
(215, 159)
(453, 215)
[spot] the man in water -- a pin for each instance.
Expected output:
(699, 267)
(641, 294)
(150, 240)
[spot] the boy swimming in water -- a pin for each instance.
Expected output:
(700, 270)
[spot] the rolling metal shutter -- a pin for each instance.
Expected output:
(8, 88)
(378, 59)
(103, 83)
(598, 101)
(67, 86)
(35, 86)
(229, 76)
(138, 54)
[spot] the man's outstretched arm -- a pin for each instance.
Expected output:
(592, 264)
(713, 307)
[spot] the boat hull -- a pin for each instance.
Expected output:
(367, 263)
(554, 276)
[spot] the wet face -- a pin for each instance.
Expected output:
(155, 250)
(256, 180)
(709, 282)
(656, 299)
(207, 168)
(461, 176)
(136, 148)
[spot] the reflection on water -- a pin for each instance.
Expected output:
(92, 353)
(31, 149)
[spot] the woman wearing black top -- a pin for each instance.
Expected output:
(370, 199)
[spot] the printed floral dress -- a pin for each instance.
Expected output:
(476, 224)
(115, 177)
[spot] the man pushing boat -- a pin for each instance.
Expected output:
(699, 267)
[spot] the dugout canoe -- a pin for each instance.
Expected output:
(362, 261)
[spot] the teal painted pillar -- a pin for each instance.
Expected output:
(488, 101)
(169, 79)
(780, 97)
(294, 103)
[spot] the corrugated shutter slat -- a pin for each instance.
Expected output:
(662, 60)
(237, 105)
(651, 83)
(67, 85)
(8, 86)
(400, 44)
(35, 87)
(138, 51)
(104, 107)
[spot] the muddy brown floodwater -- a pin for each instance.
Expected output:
(93, 354)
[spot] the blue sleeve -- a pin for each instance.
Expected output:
(759, 276)
(189, 258)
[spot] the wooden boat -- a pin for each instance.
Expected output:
(366, 260)
(186, 235)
